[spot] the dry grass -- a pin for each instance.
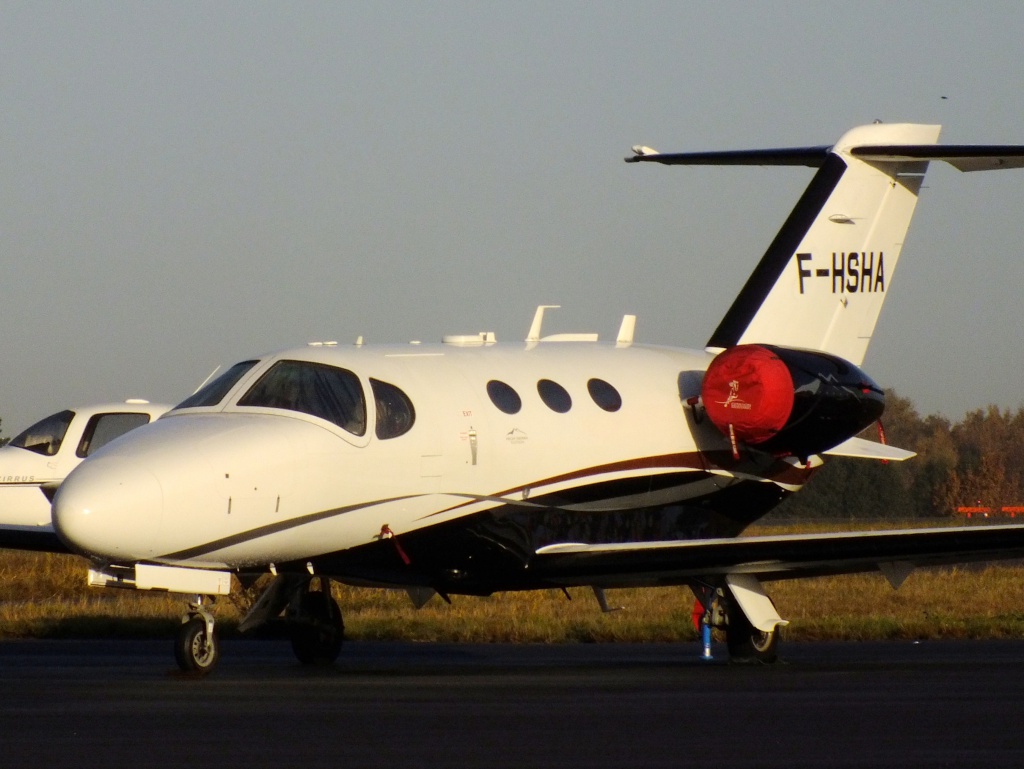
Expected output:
(984, 602)
(45, 596)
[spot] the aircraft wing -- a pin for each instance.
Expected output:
(792, 556)
(36, 538)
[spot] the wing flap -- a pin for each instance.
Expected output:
(791, 556)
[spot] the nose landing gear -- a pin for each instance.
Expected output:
(196, 647)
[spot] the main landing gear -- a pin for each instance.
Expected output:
(719, 608)
(316, 627)
(748, 644)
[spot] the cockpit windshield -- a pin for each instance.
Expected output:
(45, 436)
(212, 393)
(330, 393)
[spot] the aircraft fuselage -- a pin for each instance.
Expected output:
(510, 448)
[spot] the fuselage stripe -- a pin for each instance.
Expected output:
(686, 462)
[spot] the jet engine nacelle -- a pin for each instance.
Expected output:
(787, 401)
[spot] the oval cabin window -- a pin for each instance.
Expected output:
(504, 397)
(555, 396)
(604, 395)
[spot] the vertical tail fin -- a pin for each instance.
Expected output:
(822, 281)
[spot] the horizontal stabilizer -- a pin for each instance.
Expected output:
(863, 449)
(811, 157)
(963, 157)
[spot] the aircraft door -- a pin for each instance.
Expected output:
(448, 421)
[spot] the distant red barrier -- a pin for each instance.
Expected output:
(1009, 510)
(970, 512)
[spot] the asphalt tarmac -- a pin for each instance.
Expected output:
(892, 704)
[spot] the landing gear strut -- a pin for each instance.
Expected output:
(311, 617)
(317, 627)
(721, 610)
(196, 647)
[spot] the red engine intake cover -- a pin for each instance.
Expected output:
(750, 388)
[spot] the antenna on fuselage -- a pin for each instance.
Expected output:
(538, 321)
(626, 330)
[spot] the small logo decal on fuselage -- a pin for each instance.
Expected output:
(515, 436)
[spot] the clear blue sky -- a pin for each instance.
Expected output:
(186, 184)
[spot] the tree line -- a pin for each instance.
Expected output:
(974, 465)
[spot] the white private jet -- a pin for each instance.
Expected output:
(37, 460)
(470, 467)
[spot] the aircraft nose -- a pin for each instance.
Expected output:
(109, 507)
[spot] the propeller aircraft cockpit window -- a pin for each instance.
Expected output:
(103, 428)
(46, 435)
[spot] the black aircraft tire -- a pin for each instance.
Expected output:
(318, 636)
(748, 644)
(192, 651)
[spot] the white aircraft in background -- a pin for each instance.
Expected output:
(37, 460)
(470, 467)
